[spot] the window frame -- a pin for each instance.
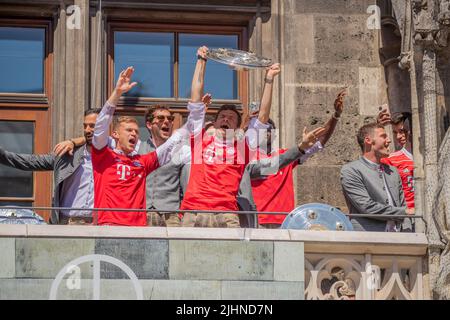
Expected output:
(35, 108)
(32, 100)
(41, 196)
(135, 105)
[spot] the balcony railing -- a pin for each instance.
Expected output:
(333, 264)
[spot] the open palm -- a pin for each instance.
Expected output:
(310, 138)
(124, 83)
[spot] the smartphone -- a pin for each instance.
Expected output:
(384, 107)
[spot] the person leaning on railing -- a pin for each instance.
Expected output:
(371, 187)
(72, 173)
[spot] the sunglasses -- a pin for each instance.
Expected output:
(161, 118)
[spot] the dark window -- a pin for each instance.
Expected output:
(22, 53)
(152, 56)
(220, 80)
(164, 69)
(16, 136)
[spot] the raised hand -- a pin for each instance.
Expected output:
(273, 71)
(202, 51)
(207, 99)
(124, 83)
(339, 102)
(198, 79)
(384, 117)
(310, 138)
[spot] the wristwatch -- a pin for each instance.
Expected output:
(200, 57)
(266, 80)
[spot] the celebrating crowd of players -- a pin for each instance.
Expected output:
(213, 171)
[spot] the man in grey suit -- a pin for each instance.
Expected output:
(371, 187)
(72, 173)
(165, 185)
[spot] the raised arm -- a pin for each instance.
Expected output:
(331, 124)
(198, 80)
(104, 119)
(196, 107)
(306, 148)
(266, 99)
(194, 124)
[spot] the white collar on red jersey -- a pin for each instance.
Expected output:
(407, 153)
(132, 154)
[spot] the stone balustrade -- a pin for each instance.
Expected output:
(197, 263)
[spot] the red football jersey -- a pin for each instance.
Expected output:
(216, 174)
(274, 193)
(404, 163)
(119, 182)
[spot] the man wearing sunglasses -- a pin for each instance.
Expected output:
(164, 187)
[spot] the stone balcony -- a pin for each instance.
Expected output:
(197, 263)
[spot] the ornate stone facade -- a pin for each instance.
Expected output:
(428, 40)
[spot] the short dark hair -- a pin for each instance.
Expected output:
(365, 131)
(230, 107)
(92, 111)
(400, 117)
(151, 109)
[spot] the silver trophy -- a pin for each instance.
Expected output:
(317, 216)
(238, 59)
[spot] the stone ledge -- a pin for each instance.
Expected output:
(58, 231)
(322, 242)
(13, 230)
(356, 242)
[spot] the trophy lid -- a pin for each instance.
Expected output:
(317, 216)
(238, 58)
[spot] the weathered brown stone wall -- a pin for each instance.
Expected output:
(325, 46)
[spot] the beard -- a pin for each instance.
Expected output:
(89, 139)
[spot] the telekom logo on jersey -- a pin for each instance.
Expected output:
(123, 171)
(231, 148)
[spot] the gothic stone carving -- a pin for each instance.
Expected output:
(347, 277)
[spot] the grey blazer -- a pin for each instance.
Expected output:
(259, 169)
(165, 185)
(63, 167)
(364, 191)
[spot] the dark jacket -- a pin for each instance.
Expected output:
(62, 167)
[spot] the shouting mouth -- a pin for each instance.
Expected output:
(165, 130)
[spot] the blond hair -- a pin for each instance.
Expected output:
(120, 119)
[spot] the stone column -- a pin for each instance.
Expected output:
(98, 63)
(71, 70)
(408, 61)
(425, 30)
